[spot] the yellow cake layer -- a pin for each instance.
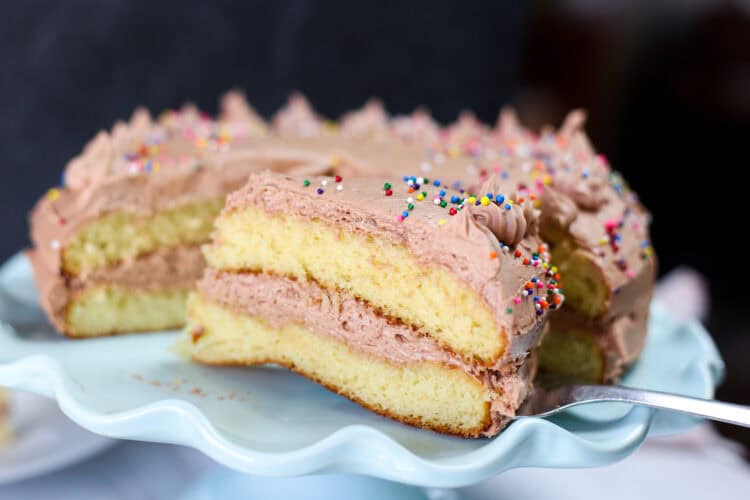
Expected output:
(104, 310)
(572, 355)
(586, 287)
(384, 274)
(121, 235)
(426, 394)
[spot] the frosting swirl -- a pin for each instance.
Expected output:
(466, 226)
(508, 226)
(587, 193)
(558, 210)
(510, 223)
(491, 221)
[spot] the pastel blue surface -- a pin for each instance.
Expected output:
(267, 421)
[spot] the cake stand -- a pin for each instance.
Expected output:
(268, 423)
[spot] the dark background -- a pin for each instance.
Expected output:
(667, 88)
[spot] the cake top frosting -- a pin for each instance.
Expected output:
(180, 141)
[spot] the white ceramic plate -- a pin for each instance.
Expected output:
(44, 440)
(268, 421)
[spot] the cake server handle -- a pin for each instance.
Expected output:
(544, 402)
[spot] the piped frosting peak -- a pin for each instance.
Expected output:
(235, 109)
(297, 118)
(504, 217)
(508, 226)
(370, 121)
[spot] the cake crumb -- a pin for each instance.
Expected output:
(196, 333)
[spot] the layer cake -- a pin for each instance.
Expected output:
(420, 309)
(117, 248)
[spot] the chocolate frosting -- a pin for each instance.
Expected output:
(459, 243)
(508, 226)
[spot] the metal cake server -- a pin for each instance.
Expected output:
(544, 402)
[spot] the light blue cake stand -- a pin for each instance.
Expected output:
(267, 423)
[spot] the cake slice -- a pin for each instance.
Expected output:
(413, 300)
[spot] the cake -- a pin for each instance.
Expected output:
(417, 301)
(116, 249)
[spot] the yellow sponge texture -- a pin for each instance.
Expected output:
(586, 287)
(118, 236)
(384, 274)
(572, 356)
(103, 310)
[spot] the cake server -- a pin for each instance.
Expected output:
(545, 402)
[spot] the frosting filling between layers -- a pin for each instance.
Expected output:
(280, 300)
